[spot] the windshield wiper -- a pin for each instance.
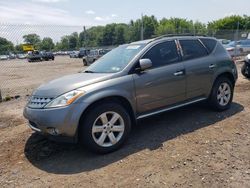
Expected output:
(88, 71)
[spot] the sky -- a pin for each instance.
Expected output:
(79, 13)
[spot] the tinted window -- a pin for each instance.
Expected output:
(163, 54)
(209, 43)
(192, 49)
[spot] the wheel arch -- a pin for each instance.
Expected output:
(117, 99)
(228, 75)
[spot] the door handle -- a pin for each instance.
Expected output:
(212, 66)
(179, 73)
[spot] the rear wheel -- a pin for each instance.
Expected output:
(245, 71)
(222, 94)
(105, 128)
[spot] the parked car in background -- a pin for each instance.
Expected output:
(60, 53)
(241, 47)
(21, 56)
(83, 52)
(245, 69)
(74, 54)
(233, 49)
(4, 57)
(40, 56)
(47, 56)
(94, 55)
(11, 56)
(224, 42)
(34, 56)
(98, 106)
(244, 45)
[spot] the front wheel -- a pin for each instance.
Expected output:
(222, 94)
(105, 128)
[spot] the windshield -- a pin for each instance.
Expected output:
(116, 60)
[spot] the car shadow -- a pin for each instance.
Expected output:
(150, 133)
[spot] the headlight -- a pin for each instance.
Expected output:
(65, 99)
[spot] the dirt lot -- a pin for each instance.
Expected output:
(18, 77)
(189, 147)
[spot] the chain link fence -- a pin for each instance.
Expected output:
(18, 77)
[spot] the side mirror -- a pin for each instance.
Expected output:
(145, 64)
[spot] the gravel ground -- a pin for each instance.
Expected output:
(189, 147)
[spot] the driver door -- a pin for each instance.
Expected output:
(165, 83)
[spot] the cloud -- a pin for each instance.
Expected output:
(105, 18)
(49, 1)
(90, 12)
(32, 13)
(114, 15)
(98, 18)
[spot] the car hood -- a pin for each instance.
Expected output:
(68, 83)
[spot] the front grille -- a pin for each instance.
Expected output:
(38, 102)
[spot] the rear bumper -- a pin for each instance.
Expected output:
(57, 123)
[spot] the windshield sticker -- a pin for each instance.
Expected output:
(134, 47)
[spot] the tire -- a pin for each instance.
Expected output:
(222, 94)
(85, 63)
(90, 136)
(245, 71)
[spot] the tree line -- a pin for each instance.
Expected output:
(116, 34)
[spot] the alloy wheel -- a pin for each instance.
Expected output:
(108, 129)
(224, 94)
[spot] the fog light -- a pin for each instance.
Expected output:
(53, 131)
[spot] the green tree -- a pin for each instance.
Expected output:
(47, 44)
(134, 30)
(19, 48)
(91, 37)
(63, 44)
(165, 27)
(108, 35)
(33, 39)
(119, 33)
(73, 41)
(199, 28)
(6, 46)
(228, 23)
(150, 25)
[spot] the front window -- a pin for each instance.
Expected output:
(163, 54)
(116, 60)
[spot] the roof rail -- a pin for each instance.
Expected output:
(178, 35)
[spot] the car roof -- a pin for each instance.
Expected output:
(168, 37)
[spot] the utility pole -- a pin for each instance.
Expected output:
(142, 28)
(85, 36)
(236, 39)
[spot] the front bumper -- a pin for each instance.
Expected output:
(56, 122)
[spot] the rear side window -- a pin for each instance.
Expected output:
(209, 43)
(163, 54)
(192, 49)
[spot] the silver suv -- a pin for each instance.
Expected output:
(99, 105)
